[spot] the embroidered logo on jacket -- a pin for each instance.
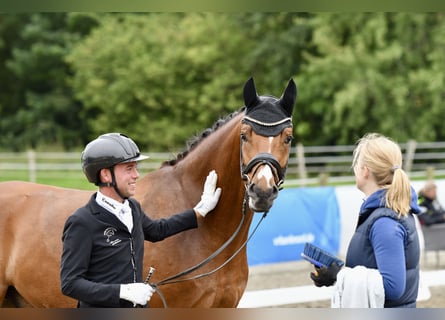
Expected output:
(109, 232)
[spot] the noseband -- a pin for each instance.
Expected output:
(263, 159)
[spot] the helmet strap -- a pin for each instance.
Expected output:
(113, 184)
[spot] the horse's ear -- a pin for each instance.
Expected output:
(289, 97)
(250, 94)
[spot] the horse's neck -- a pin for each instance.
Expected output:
(220, 151)
(178, 187)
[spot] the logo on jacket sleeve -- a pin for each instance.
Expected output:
(109, 232)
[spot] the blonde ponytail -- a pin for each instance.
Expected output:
(398, 195)
(383, 158)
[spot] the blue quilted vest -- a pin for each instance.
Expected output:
(360, 252)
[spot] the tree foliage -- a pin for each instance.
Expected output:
(163, 77)
(159, 77)
(37, 105)
(375, 72)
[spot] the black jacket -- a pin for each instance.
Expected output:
(433, 212)
(99, 253)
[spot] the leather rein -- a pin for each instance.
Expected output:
(255, 162)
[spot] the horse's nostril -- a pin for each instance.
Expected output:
(275, 189)
(262, 193)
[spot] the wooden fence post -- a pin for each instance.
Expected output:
(32, 167)
(302, 174)
(409, 156)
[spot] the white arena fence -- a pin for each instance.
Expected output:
(308, 165)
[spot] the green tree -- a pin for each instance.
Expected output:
(38, 108)
(11, 88)
(279, 41)
(374, 72)
(159, 77)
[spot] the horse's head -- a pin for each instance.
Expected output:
(266, 135)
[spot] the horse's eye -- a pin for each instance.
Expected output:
(243, 137)
(288, 139)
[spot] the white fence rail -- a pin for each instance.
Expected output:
(308, 165)
(321, 165)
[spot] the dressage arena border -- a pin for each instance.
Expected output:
(305, 292)
(300, 294)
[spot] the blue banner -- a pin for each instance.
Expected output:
(299, 215)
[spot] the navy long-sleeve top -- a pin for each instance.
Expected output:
(388, 237)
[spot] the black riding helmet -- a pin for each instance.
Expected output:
(105, 152)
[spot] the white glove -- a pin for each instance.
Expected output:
(138, 293)
(210, 195)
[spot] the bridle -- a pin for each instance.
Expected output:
(263, 159)
(279, 174)
(179, 276)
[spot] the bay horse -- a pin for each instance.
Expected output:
(251, 162)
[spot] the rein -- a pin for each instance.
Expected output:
(279, 174)
(175, 278)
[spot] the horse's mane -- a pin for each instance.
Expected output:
(195, 140)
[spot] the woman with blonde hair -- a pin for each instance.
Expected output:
(385, 239)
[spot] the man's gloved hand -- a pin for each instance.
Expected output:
(138, 293)
(210, 195)
(325, 276)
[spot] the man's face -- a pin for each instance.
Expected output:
(431, 193)
(126, 176)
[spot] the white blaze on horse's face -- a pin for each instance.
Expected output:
(265, 172)
(270, 144)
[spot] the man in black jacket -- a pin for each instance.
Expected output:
(103, 241)
(432, 211)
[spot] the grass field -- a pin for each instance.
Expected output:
(63, 169)
(66, 179)
(76, 179)
(60, 169)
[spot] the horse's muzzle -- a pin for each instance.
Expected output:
(264, 159)
(261, 200)
(263, 191)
